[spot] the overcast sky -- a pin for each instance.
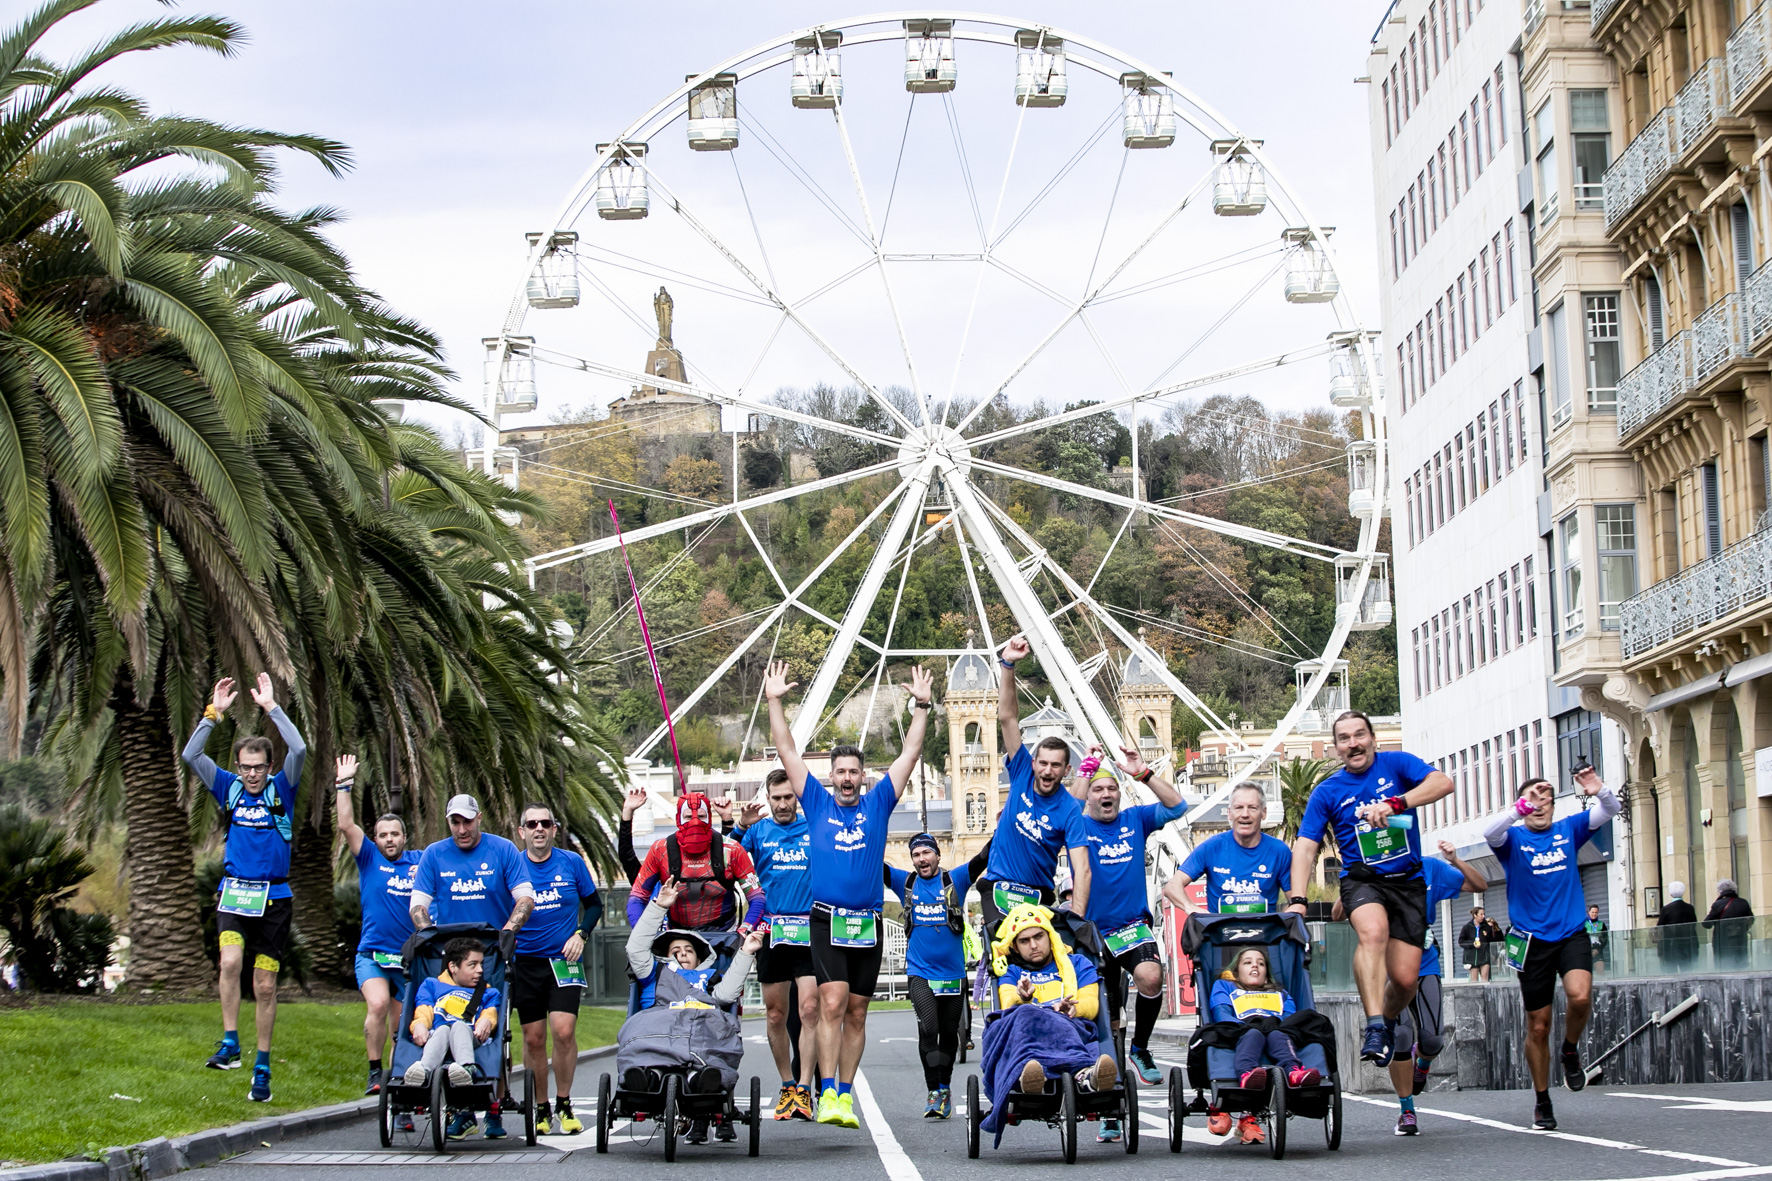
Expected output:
(470, 123)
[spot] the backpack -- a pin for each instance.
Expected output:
(955, 921)
(279, 811)
(716, 863)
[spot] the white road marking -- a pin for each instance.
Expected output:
(1700, 1102)
(895, 1160)
(1593, 1141)
(897, 1039)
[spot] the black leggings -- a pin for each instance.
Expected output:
(938, 1031)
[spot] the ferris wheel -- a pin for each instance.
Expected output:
(948, 213)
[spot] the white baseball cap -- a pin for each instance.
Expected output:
(463, 806)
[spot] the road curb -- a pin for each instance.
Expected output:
(162, 1157)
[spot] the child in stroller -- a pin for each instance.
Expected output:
(446, 1023)
(1246, 993)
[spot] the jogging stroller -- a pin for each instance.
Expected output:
(1060, 1104)
(1210, 940)
(489, 1091)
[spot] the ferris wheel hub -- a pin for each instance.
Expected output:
(948, 445)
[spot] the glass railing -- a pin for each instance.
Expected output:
(1727, 945)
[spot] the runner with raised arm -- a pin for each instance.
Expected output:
(849, 832)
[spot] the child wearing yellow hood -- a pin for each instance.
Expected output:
(1035, 967)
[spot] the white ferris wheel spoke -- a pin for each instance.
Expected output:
(984, 621)
(769, 564)
(904, 572)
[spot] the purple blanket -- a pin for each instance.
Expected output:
(1062, 1044)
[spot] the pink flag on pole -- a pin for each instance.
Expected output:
(651, 657)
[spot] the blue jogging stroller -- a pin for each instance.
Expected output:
(489, 1091)
(1211, 940)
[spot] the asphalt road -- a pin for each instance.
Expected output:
(1686, 1133)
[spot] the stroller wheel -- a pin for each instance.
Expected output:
(669, 1118)
(756, 1120)
(439, 1112)
(1177, 1108)
(1068, 1118)
(1276, 1137)
(1332, 1118)
(385, 1118)
(973, 1116)
(605, 1099)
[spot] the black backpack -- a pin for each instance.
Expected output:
(955, 920)
(716, 863)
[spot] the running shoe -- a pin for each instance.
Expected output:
(403, 1122)
(945, 1104)
(375, 1079)
(417, 1075)
(1033, 1078)
(1218, 1122)
(1254, 1080)
(725, 1131)
(1103, 1076)
(1574, 1077)
(495, 1127)
(1376, 1048)
(1406, 1125)
(846, 1111)
(261, 1085)
(1145, 1065)
(1420, 1083)
(827, 1107)
(803, 1104)
(461, 1125)
(787, 1101)
(226, 1056)
(1249, 1129)
(570, 1124)
(1543, 1118)
(932, 1105)
(458, 1075)
(698, 1130)
(1109, 1132)
(1303, 1076)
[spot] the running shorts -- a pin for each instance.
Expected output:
(1546, 960)
(1403, 899)
(778, 965)
(535, 993)
(265, 939)
(858, 967)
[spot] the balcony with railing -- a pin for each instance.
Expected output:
(1641, 166)
(1661, 379)
(1749, 54)
(1759, 302)
(1703, 98)
(1719, 336)
(1599, 12)
(1713, 589)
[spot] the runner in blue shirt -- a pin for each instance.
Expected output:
(254, 908)
(547, 977)
(1118, 903)
(1246, 870)
(1370, 805)
(1545, 910)
(384, 888)
(780, 846)
(472, 877)
(934, 904)
(1039, 817)
(848, 851)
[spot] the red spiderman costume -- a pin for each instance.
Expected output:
(706, 871)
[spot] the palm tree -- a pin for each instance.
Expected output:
(1297, 778)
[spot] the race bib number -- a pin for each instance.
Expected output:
(388, 959)
(947, 987)
(1250, 1004)
(1126, 938)
(1009, 895)
(854, 928)
(247, 899)
(1242, 907)
(1382, 844)
(790, 930)
(568, 973)
(1518, 944)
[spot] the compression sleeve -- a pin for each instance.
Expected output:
(296, 755)
(1496, 833)
(1609, 806)
(201, 765)
(624, 849)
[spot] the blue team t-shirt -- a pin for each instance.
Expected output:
(1230, 1001)
(1116, 863)
(562, 883)
(255, 850)
(1543, 883)
(1336, 803)
(931, 950)
(1032, 829)
(782, 855)
(385, 888)
(1241, 880)
(1443, 882)
(449, 1002)
(848, 844)
(473, 886)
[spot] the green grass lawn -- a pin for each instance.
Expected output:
(66, 1063)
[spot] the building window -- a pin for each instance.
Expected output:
(1615, 531)
(1557, 342)
(1544, 126)
(1591, 146)
(1694, 808)
(1742, 230)
(1578, 741)
(1713, 510)
(1736, 782)
(1652, 305)
(1604, 360)
(1569, 551)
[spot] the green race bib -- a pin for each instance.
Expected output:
(946, 987)
(1126, 938)
(1518, 944)
(568, 973)
(790, 930)
(854, 928)
(247, 899)
(1242, 907)
(1382, 844)
(1009, 895)
(388, 959)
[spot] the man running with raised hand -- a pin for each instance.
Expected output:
(849, 832)
(547, 977)
(780, 846)
(385, 867)
(1370, 804)
(1546, 935)
(1246, 870)
(255, 905)
(1039, 818)
(1118, 903)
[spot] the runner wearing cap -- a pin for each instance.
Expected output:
(1118, 902)
(849, 830)
(1371, 805)
(547, 978)
(254, 907)
(473, 877)
(384, 890)
(934, 902)
(1547, 936)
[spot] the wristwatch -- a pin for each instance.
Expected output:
(1297, 900)
(915, 704)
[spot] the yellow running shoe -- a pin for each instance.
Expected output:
(803, 1104)
(786, 1102)
(570, 1124)
(827, 1107)
(846, 1111)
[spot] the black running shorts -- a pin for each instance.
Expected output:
(265, 939)
(1403, 899)
(1546, 960)
(535, 993)
(778, 965)
(858, 967)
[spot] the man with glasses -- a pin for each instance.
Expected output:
(472, 877)
(254, 905)
(547, 976)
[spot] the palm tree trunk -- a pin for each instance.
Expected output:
(310, 880)
(165, 930)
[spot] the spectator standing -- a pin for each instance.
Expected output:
(1728, 922)
(1477, 941)
(1676, 931)
(1598, 937)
